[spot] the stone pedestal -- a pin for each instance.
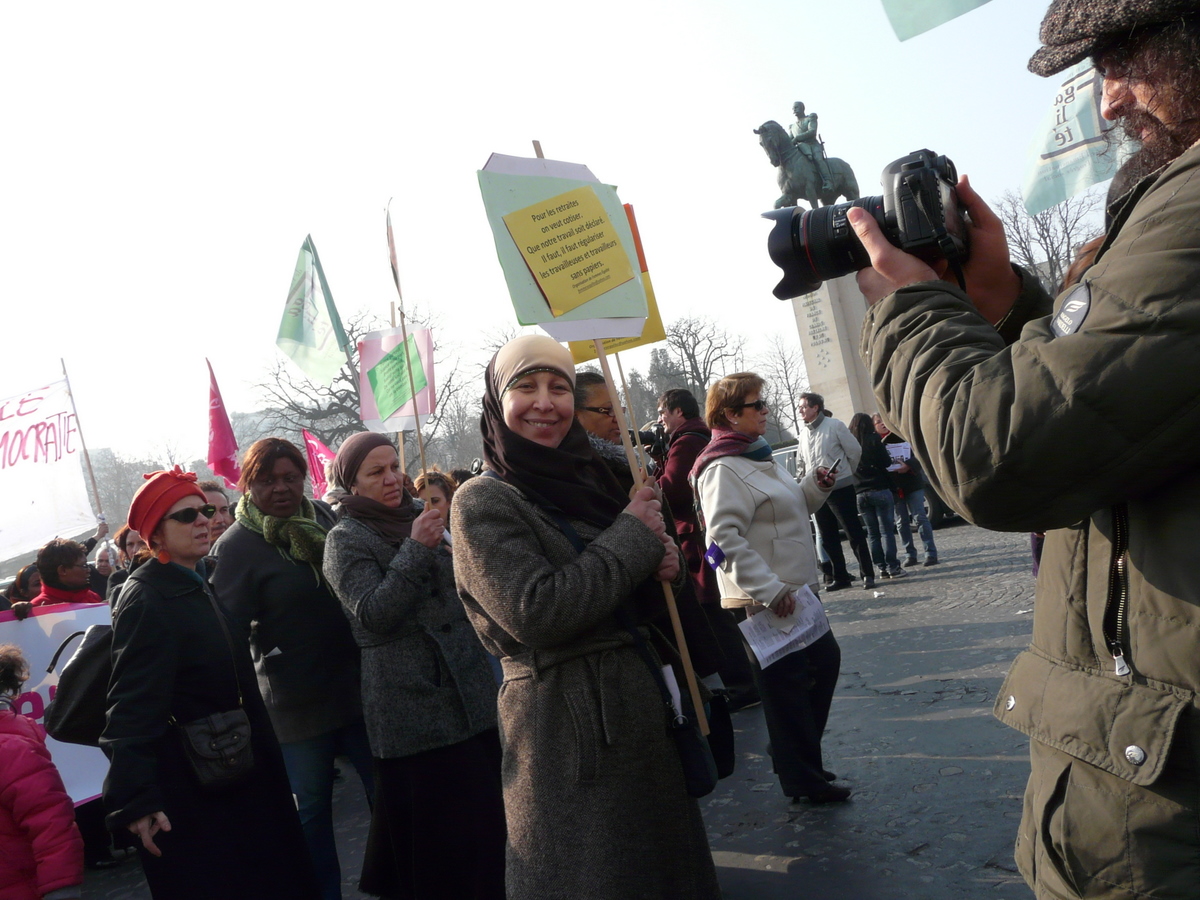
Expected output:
(829, 322)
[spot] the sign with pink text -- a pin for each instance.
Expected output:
(82, 768)
(41, 473)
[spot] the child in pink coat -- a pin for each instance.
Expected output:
(41, 852)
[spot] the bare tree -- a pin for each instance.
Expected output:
(703, 351)
(1046, 243)
(782, 365)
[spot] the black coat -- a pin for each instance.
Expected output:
(171, 658)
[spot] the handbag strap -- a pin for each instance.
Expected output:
(228, 640)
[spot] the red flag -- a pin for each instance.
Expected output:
(318, 456)
(222, 445)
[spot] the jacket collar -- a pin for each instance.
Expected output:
(168, 579)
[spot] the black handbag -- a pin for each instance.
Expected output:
(77, 713)
(218, 747)
(695, 754)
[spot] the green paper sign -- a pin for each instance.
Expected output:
(389, 378)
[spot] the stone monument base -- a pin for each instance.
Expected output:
(829, 322)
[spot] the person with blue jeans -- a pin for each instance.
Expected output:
(873, 493)
(908, 484)
(269, 580)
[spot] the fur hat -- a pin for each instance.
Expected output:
(1073, 29)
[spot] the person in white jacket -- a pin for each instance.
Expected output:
(758, 537)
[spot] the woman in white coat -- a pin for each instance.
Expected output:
(756, 517)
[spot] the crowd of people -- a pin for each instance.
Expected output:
(476, 652)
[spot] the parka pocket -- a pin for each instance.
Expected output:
(587, 733)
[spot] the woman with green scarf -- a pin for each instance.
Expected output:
(269, 579)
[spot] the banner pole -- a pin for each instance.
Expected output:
(639, 481)
(404, 339)
(87, 459)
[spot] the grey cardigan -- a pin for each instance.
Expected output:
(426, 681)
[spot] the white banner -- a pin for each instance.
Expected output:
(41, 471)
(1070, 152)
(82, 768)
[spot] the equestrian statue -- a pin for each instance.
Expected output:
(805, 173)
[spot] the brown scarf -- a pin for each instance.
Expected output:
(393, 524)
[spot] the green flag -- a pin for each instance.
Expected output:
(1070, 151)
(311, 331)
(912, 17)
(389, 378)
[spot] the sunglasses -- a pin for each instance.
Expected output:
(189, 515)
(602, 410)
(757, 406)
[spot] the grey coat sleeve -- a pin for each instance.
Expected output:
(382, 601)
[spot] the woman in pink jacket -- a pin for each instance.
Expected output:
(41, 852)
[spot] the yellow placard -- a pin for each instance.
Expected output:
(570, 247)
(652, 333)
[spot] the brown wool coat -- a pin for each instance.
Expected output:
(593, 789)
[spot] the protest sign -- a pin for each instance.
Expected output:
(652, 332)
(514, 185)
(386, 397)
(1070, 150)
(311, 330)
(41, 479)
(82, 768)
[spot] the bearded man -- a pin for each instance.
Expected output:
(1081, 420)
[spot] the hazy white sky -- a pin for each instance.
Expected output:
(163, 163)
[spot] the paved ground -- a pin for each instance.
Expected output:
(937, 781)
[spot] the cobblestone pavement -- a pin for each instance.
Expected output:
(937, 781)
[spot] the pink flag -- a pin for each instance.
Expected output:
(222, 445)
(318, 456)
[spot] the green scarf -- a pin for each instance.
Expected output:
(298, 537)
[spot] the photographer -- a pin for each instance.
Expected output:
(1083, 421)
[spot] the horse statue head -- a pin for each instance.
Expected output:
(774, 141)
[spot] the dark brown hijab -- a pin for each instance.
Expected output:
(569, 479)
(393, 524)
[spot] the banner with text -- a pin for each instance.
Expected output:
(1071, 151)
(82, 768)
(386, 394)
(41, 474)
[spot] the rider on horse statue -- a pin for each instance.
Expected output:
(804, 136)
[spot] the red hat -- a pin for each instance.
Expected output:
(155, 498)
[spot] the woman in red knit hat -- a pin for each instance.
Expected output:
(173, 661)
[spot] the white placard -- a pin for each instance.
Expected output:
(772, 637)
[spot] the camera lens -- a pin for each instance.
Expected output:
(815, 245)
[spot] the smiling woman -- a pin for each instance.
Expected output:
(556, 567)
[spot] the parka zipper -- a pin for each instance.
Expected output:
(1115, 609)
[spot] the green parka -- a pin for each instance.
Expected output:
(1087, 426)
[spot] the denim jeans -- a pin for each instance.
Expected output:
(878, 514)
(913, 503)
(309, 767)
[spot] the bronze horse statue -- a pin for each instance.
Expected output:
(798, 177)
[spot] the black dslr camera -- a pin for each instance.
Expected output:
(919, 212)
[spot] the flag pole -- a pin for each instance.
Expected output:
(404, 338)
(639, 481)
(87, 459)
